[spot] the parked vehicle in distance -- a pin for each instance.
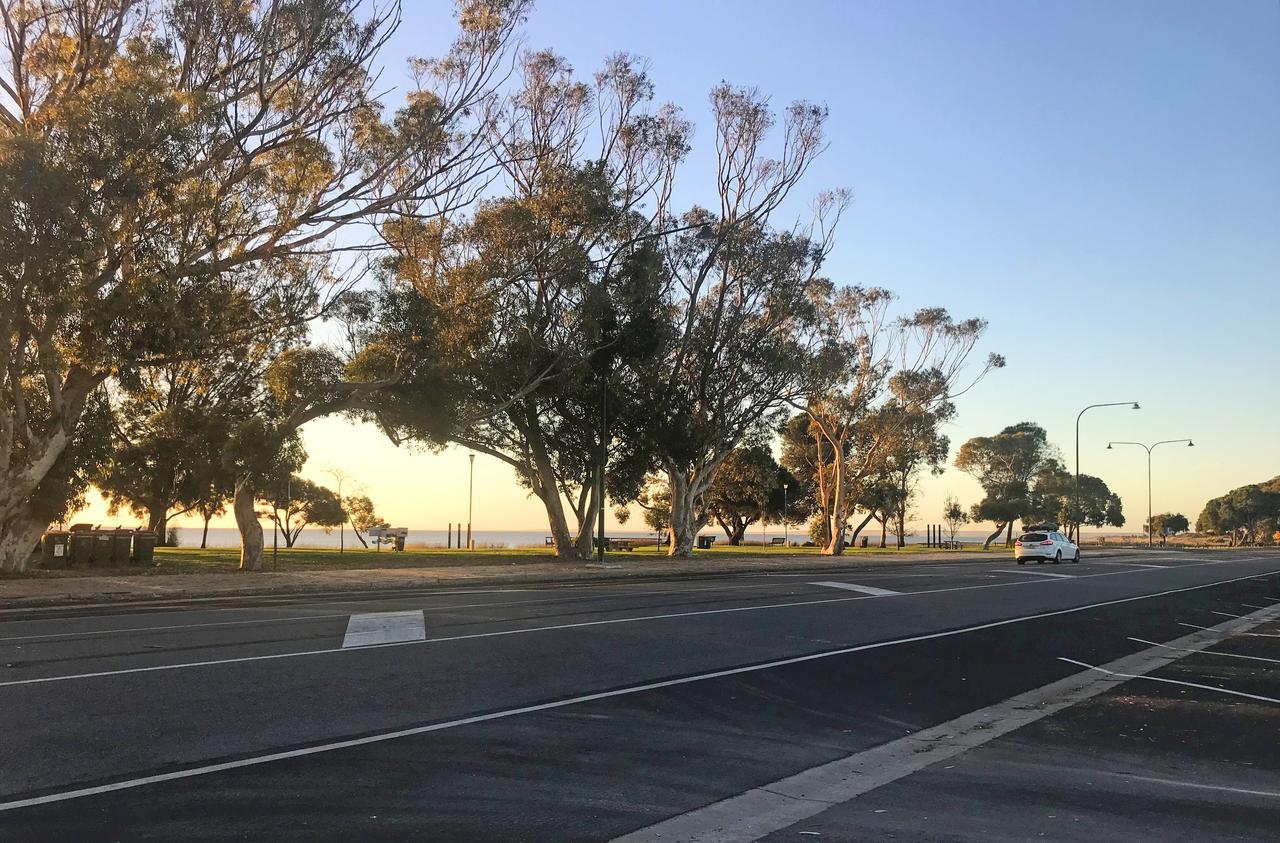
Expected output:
(1045, 546)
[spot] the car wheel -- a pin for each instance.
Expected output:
(1077, 559)
(1022, 561)
(1057, 559)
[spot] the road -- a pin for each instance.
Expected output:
(923, 701)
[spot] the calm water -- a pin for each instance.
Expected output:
(229, 537)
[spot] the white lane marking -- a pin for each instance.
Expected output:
(1037, 574)
(1208, 652)
(1171, 681)
(771, 807)
(556, 627)
(385, 628)
(1131, 564)
(1251, 634)
(1226, 614)
(1197, 785)
(865, 589)
(111, 631)
(1226, 626)
(1255, 606)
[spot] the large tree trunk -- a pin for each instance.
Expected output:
(835, 527)
(158, 523)
(1008, 538)
(684, 524)
(251, 558)
(19, 533)
(204, 535)
(854, 538)
(363, 543)
(986, 545)
(884, 530)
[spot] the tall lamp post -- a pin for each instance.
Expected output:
(786, 536)
(471, 483)
(1075, 490)
(1149, 448)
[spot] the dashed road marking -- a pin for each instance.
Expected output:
(385, 628)
(863, 589)
(1039, 574)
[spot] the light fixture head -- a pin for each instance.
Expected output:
(1190, 444)
(1108, 446)
(1137, 406)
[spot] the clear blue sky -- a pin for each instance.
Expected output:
(1099, 180)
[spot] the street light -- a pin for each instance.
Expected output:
(1149, 449)
(471, 483)
(785, 535)
(1075, 490)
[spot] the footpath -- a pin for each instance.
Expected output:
(33, 592)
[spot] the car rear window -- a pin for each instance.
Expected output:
(1033, 537)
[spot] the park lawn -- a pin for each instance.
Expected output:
(185, 560)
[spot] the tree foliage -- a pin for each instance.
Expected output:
(1005, 465)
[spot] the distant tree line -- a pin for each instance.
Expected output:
(192, 186)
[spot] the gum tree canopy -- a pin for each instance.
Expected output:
(170, 171)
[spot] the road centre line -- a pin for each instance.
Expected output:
(579, 625)
(989, 727)
(771, 807)
(1172, 681)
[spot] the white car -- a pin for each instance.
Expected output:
(1045, 546)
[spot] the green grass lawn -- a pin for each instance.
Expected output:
(183, 560)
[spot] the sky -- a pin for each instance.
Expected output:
(1098, 180)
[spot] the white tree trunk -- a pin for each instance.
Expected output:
(251, 557)
(684, 523)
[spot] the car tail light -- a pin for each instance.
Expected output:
(1018, 543)
(1047, 541)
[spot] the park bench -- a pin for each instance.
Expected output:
(777, 540)
(626, 544)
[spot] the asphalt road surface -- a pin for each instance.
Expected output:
(1126, 697)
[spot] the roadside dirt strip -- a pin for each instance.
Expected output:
(762, 810)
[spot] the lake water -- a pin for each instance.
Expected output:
(229, 537)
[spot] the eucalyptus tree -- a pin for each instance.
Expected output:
(1005, 465)
(743, 302)
(884, 377)
(156, 156)
(747, 489)
(299, 503)
(552, 285)
(1051, 494)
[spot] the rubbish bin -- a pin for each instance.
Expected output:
(144, 547)
(103, 541)
(81, 547)
(121, 547)
(864, 542)
(55, 550)
(704, 542)
(399, 543)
